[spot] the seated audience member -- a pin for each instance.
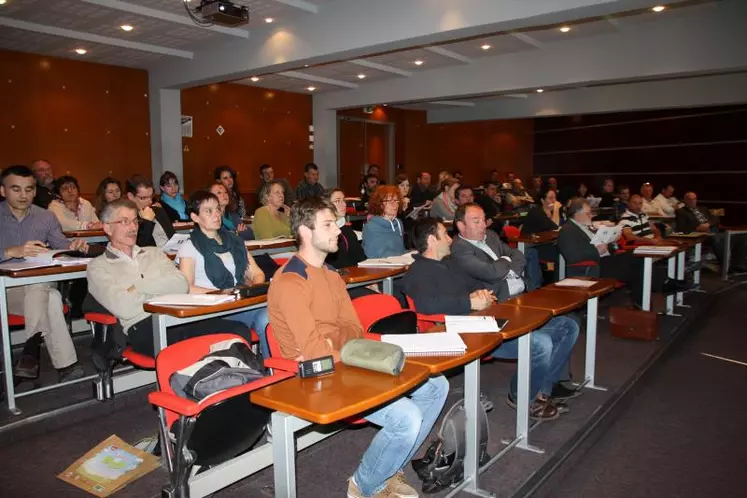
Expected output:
(517, 196)
(272, 220)
(383, 234)
(312, 316)
(72, 211)
(155, 227)
(535, 190)
(267, 176)
(110, 189)
(552, 183)
(442, 177)
(171, 199)
(666, 202)
(621, 203)
(490, 199)
(227, 176)
(457, 175)
(544, 217)
(309, 186)
(694, 218)
(574, 243)
(349, 249)
(421, 193)
(26, 230)
(403, 184)
(368, 186)
(509, 180)
(230, 219)
(635, 223)
(582, 190)
(649, 207)
(44, 175)
(127, 275)
(215, 259)
(437, 285)
(464, 195)
(608, 193)
(444, 205)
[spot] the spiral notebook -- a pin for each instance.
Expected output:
(432, 344)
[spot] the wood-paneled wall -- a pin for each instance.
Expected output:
(89, 120)
(700, 149)
(261, 126)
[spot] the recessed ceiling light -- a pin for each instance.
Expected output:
(269, 20)
(254, 79)
(2, 2)
(385, 105)
(126, 27)
(540, 90)
(659, 8)
(485, 47)
(81, 51)
(565, 29)
(361, 76)
(419, 62)
(311, 88)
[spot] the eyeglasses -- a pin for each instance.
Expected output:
(145, 198)
(390, 201)
(124, 222)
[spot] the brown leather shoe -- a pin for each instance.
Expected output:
(27, 367)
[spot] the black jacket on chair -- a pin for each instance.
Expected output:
(686, 221)
(145, 230)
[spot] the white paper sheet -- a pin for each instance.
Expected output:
(456, 324)
(606, 235)
(575, 282)
(176, 240)
(192, 299)
(431, 344)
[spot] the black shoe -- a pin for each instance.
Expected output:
(562, 393)
(72, 372)
(27, 367)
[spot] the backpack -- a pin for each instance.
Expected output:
(442, 465)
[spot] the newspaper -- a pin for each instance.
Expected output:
(606, 235)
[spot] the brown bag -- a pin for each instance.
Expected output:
(633, 323)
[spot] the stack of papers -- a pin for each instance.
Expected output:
(456, 324)
(392, 261)
(176, 240)
(432, 344)
(575, 282)
(655, 250)
(192, 299)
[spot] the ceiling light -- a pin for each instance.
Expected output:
(269, 20)
(125, 27)
(311, 88)
(540, 90)
(659, 8)
(361, 76)
(254, 79)
(81, 51)
(385, 105)
(419, 62)
(485, 47)
(2, 2)
(565, 29)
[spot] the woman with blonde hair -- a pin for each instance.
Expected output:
(269, 221)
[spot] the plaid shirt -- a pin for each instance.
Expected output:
(38, 224)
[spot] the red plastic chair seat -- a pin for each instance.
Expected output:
(139, 360)
(374, 307)
(20, 321)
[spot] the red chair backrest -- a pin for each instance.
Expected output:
(375, 307)
(280, 261)
(425, 322)
(272, 343)
(511, 231)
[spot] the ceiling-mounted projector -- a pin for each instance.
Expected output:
(221, 12)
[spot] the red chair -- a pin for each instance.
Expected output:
(511, 232)
(425, 322)
(212, 431)
(20, 321)
(374, 307)
(280, 261)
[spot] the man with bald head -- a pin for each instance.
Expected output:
(635, 223)
(44, 175)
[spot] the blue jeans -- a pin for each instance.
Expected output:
(405, 423)
(551, 347)
(532, 268)
(257, 320)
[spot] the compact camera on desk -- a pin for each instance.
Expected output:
(316, 367)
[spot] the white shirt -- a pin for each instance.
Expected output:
(188, 250)
(652, 208)
(665, 205)
(515, 284)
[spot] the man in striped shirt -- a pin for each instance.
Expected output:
(636, 225)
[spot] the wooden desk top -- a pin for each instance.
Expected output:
(697, 236)
(347, 392)
(742, 228)
(478, 345)
(537, 238)
(601, 286)
(357, 274)
(190, 311)
(269, 244)
(507, 217)
(179, 226)
(42, 272)
(555, 301)
(520, 320)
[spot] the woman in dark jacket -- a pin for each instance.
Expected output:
(544, 217)
(349, 249)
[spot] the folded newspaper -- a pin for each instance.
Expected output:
(606, 235)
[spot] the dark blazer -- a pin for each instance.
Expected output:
(44, 196)
(419, 197)
(686, 221)
(536, 221)
(575, 245)
(491, 208)
(349, 249)
(145, 230)
(480, 269)
(437, 287)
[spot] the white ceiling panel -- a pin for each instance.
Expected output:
(502, 44)
(554, 35)
(406, 60)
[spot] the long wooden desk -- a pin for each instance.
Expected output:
(549, 237)
(648, 271)
(257, 247)
(347, 392)
(92, 236)
(357, 276)
(697, 238)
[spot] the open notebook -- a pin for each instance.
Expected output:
(432, 344)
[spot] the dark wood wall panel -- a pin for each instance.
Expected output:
(89, 120)
(699, 149)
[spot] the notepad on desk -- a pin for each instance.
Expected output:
(192, 299)
(457, 324)
(575, 282)
(391, 261)
(431, 344)
(654, 250)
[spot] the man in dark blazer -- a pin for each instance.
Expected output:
(155, 227)
(694, 218)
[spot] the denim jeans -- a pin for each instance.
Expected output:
(405, 424)
(257, 320)
(532, 269)
(551, 347)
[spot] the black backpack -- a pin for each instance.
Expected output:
(442, 465)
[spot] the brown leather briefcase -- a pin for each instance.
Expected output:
(633, 323)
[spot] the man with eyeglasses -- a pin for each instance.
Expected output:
(28, 230)
(155, 227)
(123, 278)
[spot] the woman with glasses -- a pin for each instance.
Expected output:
(383, 234)
(230, 220)
(272, 220)
(72, 211)
(171, 200)
(109, 190)
(215, 259)
(349, 249)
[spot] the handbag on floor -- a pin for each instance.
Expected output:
(633, 323)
